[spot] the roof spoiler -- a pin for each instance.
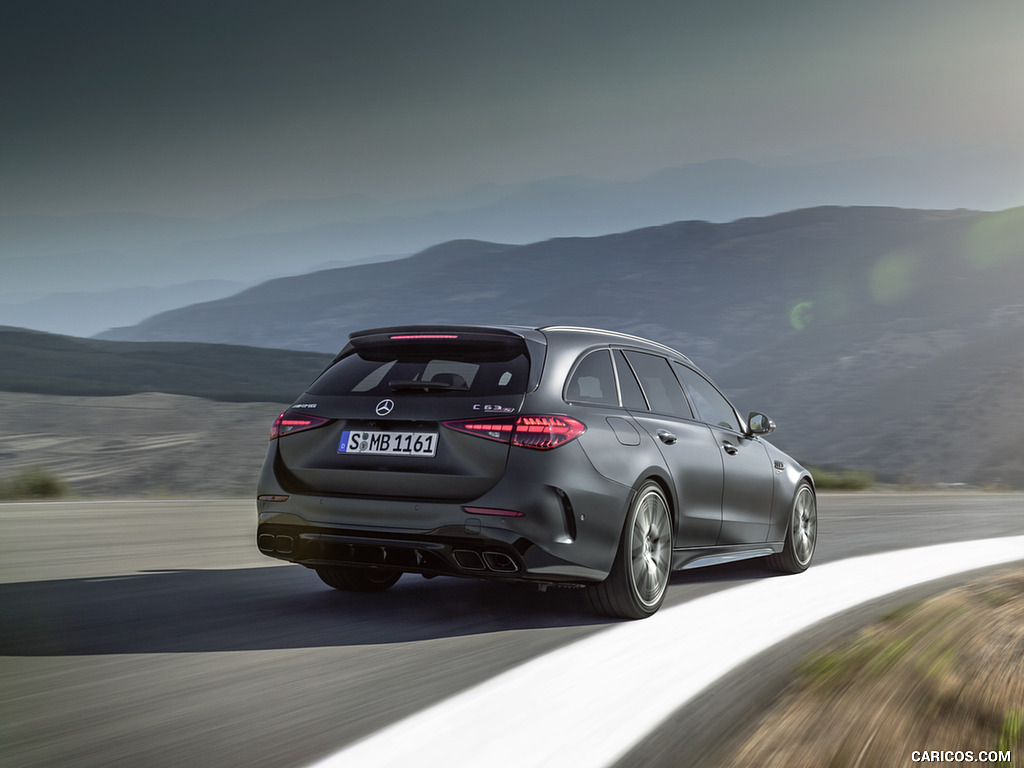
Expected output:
(435, 333)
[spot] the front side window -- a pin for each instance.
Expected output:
(711, 405)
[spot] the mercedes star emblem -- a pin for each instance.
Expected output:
(384, 407)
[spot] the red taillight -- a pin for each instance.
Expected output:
(495, 429)
(546, 431)
(540, 432)
(289, 422)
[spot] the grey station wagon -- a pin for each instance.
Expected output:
(556, 455)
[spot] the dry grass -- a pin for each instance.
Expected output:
(945, 674)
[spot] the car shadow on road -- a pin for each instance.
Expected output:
(284, 607)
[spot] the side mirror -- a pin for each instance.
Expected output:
(759, 424)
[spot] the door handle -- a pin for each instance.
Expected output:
(666, 437)
(731, 449)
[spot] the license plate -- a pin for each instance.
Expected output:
(388, 443)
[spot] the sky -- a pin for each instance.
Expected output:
(205, 108)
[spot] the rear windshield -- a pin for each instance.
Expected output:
(452, 369)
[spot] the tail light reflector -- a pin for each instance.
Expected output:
(493, 512)
(541, 432)
(288, 423)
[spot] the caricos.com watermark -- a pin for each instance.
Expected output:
(960, 756)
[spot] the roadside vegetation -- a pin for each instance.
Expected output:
(833, 478)
(944, 674)
(34, 483)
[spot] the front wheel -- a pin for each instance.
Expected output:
(801, 533)
(352, 579)
(636, 586)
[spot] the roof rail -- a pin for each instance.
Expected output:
(624, 336)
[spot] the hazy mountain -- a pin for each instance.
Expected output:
(51, 364)
(730, 286)
(43, 255)
(85, 313)
(866, 332)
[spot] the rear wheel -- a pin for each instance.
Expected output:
(801, 533)
(636, 586)
(353, 579)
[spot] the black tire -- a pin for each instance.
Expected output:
(636, 586)
(801, 533)
(352, 579)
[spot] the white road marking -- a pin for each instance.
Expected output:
(589, 703)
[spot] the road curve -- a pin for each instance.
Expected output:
(149, 633)
(647, 670)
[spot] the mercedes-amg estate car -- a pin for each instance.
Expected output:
(556, 455)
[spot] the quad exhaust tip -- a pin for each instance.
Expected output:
(283, 545)
(498, 562)
(469, 560)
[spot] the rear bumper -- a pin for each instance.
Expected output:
(567, 528)
(442, 552)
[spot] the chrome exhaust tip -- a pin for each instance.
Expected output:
(469, 560)
(500, 562)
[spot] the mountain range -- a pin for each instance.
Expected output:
(878, 338)
(82, 274)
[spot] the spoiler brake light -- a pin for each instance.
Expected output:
(408, 336)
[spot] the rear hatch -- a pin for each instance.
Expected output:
(377, 413)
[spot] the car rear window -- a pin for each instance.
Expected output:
(451, 368)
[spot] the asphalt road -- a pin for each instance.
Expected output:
(154, 634)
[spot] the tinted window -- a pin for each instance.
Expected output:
(453, 369)
(659, 384)
(711, 405)
(632, 395)
(593, 381)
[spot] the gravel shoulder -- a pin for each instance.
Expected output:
(942, 675)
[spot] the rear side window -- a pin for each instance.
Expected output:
(593, 381)
(452, 369)
(664, 395)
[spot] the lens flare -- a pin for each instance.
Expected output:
(800, 315)
(892, 277)
(997, 239)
